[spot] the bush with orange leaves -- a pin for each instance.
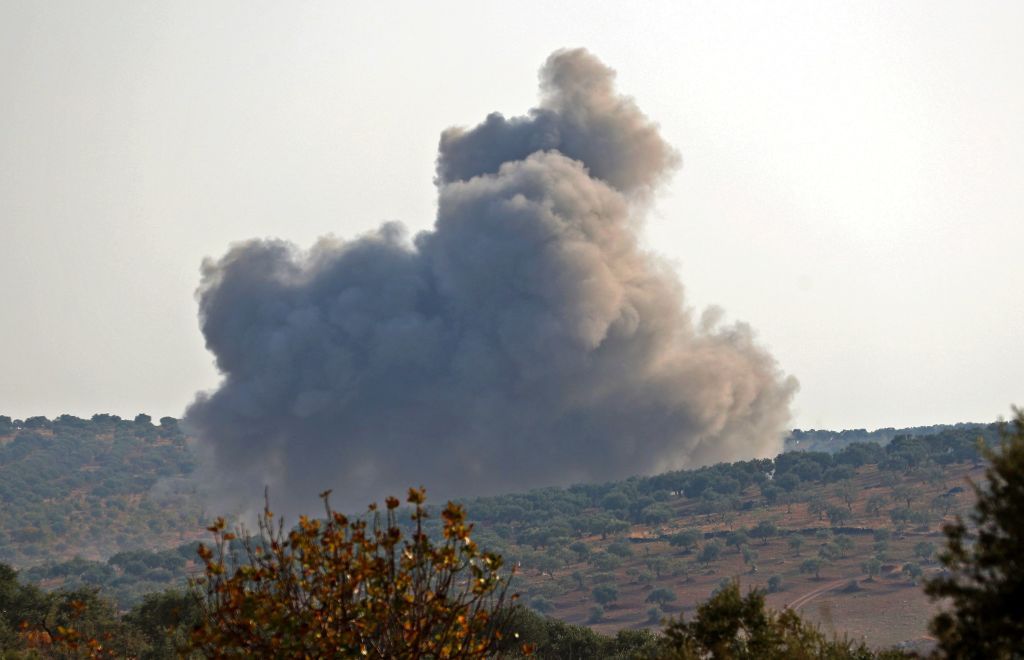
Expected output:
(66, 624)
(341, 588)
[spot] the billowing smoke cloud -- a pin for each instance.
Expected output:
(526, 340)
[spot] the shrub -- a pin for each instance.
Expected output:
(729, 625)
(347, 588)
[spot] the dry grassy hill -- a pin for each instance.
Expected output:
(885, 609)
(78, 490)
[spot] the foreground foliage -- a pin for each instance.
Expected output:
(344, 588)
(730, 625)
(985, 562)
(65, 624)
(547, 638)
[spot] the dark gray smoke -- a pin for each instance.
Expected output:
(526, 340)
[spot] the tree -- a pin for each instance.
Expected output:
(165, 619)
(944, 503)
(984, 580)
(65, 624)
(605, 594)
(736, 539)
(900, 518)
(924, 550)
(770, 493)
(872, 568)
(795, 541)
(710, 552)
(913, 571)
(19, 603)
(613, 527)
(848, 492)
(837, 515)
(541, 604)
(812, 566)
(775, 584)
(788, 482)
(845, 544)
(904, 493)
(620, 549)
(657, 564)
(874, 504)
(789, 499)
(347, 588)
(615, 501)
(656, 514)
(729, 625)
(685, 539)
(817, 507)
(605, 561)
(551, 638)
(764, 530)
(661, 596)
(581, 549)
(678, 568)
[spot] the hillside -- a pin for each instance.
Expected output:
(842, 536)
(673, 538)
(672, 562)
(92, 488)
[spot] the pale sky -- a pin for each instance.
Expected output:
(852, 181)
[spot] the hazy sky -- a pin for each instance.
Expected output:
(852, 181)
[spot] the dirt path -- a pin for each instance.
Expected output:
(803, 599)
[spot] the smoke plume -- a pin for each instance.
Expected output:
(525, 340)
